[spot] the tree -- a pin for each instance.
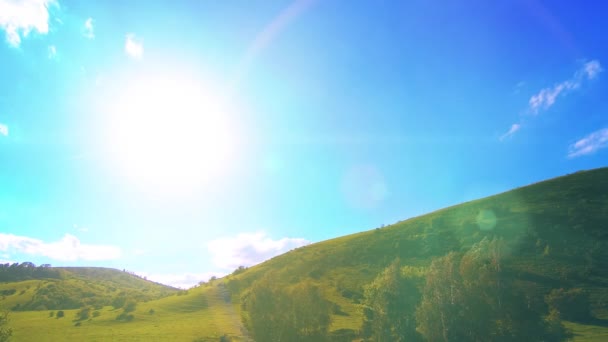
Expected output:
(390, 305)
(60, 314)
(277, 313)
(469, 297)
(572, 304)
(5, 331)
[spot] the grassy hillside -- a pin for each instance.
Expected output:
(72, 288)
(556, 232)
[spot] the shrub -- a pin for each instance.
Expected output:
(60, 314)
(52, 314)
(572, 304)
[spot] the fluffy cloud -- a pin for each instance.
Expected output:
(68, 248)
(19, 18)
(134, 48)
(546, 97)
(248, 249)
(3, 130)
(514, 128)
(88, 30)
(589, 144)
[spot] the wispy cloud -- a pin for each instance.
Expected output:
(52, 51)
(134, 48)
(19, 18)
(88, 30)
(3, 130)
(589, 144)
(68, 248)
(514, 128)
(248, 249)
(546, 97)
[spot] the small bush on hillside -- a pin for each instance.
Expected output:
(130, 306)
(572, 304)
(125, 317)
(52, 314)
(77, 324)
(60, 314)
(83, 314)
(96, 313)
(151, 312)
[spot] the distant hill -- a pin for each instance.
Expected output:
(27, 287)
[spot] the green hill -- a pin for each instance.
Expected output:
(56, 288)
(556, 232)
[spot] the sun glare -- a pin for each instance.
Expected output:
(170, 133)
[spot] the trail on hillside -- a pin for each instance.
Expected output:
(219, 297)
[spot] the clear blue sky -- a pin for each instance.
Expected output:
(180, 139)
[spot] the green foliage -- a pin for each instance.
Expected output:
(130, 306)
(469, 297)
(60, 314)
(83, 314)
(572, 304)
(5, 331)
(389, 306)
(277, 313)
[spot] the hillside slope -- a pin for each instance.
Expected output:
(56, 288)
(556, 229)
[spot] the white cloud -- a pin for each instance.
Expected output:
(19, 18)
(248, 249)
(89, 30)
(589, 144)
(546, 97)
(68, 248)
(134, 48)
(514, 128)
(182, 280)
(592, 69)
(3, 130)
(52, 51)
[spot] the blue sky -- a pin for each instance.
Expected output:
(182, 139)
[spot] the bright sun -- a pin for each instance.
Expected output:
(170, 133)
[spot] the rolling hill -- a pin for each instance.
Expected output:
(556, 231)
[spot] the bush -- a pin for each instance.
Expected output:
(52, 314)
(77, 324)
(572, 304)
(125, 317)
(151, 312)
(96, 313)
(60, 314)
(83, 313)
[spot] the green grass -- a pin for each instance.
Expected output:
(557, 232)
(200, 314)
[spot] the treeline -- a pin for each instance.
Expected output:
(461, 296)
(26, 271)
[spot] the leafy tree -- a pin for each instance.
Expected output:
(390, 306)
(469, 297)
(275, 313)
(572, 304)
(83, 313)
(130, 306)
(5, 331)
